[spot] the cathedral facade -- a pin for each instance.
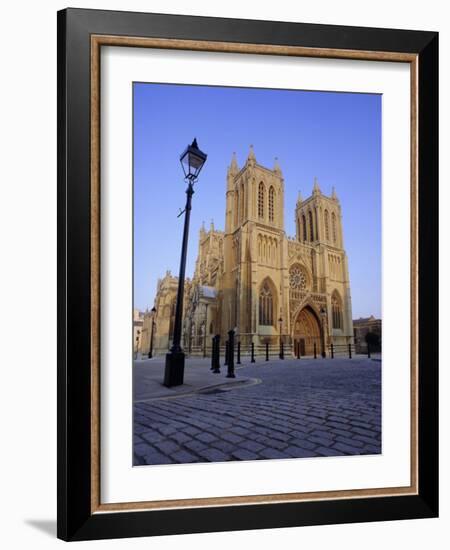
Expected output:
(253, 278)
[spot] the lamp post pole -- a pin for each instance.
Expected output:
(323, 313)
(150, 351)
(192, 161)
(281, 354)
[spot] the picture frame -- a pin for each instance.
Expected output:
(81, 35)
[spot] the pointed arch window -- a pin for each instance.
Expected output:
(305, 236)
(327, 226)
(336, 310)
(261, 200)
(311, 226)
(265, 305)
(333, 227)
(271, 203)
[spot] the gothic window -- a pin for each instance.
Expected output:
(327, 226)
(265, 305)
(336, 310)
(311, 226)
(242, 203)
(305, 237)
(297, 278)
(236, 207)
(271, 203)
(333, 227)
(261, 200)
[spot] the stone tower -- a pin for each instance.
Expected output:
(319, 230)
(253, 249)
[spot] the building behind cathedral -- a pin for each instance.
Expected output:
(253, 278)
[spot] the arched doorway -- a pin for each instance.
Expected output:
(307, 332)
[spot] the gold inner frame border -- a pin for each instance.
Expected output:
(97, 41)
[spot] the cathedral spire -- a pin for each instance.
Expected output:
(299, 198)
(316, 188)
(234, 168)
(251, 159)
(212, 225)
(277, 168)
(333, 194)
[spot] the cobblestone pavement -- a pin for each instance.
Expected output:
(304, 408)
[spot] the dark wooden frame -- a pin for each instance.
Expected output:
(78, 517)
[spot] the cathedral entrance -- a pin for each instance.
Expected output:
(307, 332)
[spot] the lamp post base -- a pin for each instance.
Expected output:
(174, 371)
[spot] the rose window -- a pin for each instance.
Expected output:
(298, 278)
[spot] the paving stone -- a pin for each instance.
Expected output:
(244, 454)
(361, 424)
(373, 449)
(224, 446)
(195, 445)
(272, 453)
(324, 441)
(240, 431)
(305, 444)
(141, 449)
(180, 437)
(269, 442)
(363, 431)
(369, 440)
(152, 436)
(167, 430)
(338, 425)
(213, 455)
(337, 418)
(190, 430)
(232, 438)
(350, 441)
(167, 447)
(344, 433)
(206, 437)
(327, 451)
(183, 457)
(298, 452)
(250, 445)
(320, 433)
(347, 449)
(155, 458)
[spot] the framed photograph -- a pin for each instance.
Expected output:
(247, 256)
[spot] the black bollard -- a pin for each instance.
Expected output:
(332, 351)
(368, 350)
(315, 351)
(238, 362)
(213, 351)
(230, 364)
(282, 351)
(226, 353)
(267, 351)
(252, 360)
(216, 354)
(349, 351)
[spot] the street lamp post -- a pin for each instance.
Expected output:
(281, 354)
(204, 335)
(150, 351)
(323, 314)
(192, 161)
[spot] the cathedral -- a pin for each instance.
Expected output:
(253, 278)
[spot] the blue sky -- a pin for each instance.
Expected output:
(335, 137)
